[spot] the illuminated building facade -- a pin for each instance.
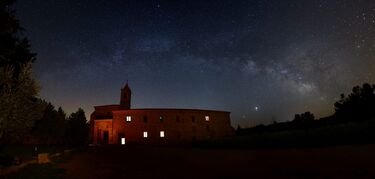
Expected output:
(119, 124)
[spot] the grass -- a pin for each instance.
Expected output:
(330, 135)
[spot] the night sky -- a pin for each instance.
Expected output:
(262, 60)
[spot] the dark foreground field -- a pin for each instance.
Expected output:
(158, 162)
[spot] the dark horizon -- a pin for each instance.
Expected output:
(262, 61)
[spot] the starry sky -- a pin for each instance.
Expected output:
(262, 60)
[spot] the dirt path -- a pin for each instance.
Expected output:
(155, 162)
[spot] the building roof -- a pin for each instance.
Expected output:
(115, 107)
(169, 109)
(109, 105)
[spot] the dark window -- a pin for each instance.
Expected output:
(192, 119)
(177, 118)
(194, 138)
(161, 118)
(145, 119)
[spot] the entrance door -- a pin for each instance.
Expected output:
(120, 137)
(105, 137)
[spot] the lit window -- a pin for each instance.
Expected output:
(161, 133)
(145, 134)
(123, 141)
(128, 118)
(207, 118)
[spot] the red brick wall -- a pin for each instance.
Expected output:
(100, 126)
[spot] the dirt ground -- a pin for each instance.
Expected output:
(164, 162)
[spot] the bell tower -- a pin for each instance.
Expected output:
(126, 94)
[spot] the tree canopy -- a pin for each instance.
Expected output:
(14, 46)
(19, 107)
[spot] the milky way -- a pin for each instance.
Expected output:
(263, 61)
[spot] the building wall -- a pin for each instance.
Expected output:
(100, 127)
(179, 126)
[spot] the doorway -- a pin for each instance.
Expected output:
(121, 138)
(105, 137)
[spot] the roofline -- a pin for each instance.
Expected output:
(183, 109)
(107, 105)
(106, 119)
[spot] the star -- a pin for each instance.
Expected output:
(231, 55)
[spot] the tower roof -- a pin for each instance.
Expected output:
(126, 86)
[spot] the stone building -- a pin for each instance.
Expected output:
(119, 124)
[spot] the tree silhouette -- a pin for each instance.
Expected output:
(77, 129)
(14, 47)
(357, 106)
(304, 117)
(51, 127)
(18, 106)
